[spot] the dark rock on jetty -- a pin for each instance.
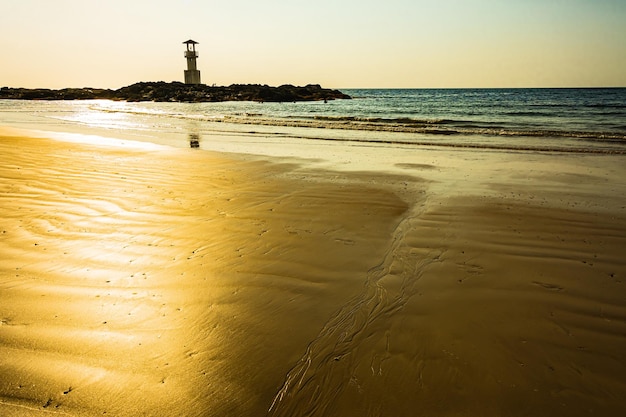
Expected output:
(47, 94)
(179, 92)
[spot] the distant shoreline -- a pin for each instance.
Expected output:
(179, 92)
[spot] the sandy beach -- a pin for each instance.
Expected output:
(160, 281)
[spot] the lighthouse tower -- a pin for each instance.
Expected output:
(192, 75)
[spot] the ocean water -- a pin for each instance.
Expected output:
(543, 120)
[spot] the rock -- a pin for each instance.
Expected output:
(47, 94)
(179, 92)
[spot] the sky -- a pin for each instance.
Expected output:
(335, 43)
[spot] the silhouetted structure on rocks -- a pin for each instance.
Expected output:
(192, 75)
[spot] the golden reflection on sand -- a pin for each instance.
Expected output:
(177, 282)
(141, 281)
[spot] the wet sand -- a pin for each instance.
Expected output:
(184, 282)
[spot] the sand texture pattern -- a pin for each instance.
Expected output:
(184, 282)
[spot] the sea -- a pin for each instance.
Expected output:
(585, 120)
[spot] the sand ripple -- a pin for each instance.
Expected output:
(181, 282)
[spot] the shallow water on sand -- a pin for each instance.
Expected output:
(574, 120)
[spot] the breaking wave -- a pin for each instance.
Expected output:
(431, 127)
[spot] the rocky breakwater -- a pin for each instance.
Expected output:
(179, 92)
(48, 94)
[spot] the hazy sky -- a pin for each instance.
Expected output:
(336, 43)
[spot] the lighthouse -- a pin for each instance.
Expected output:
(192, 75)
